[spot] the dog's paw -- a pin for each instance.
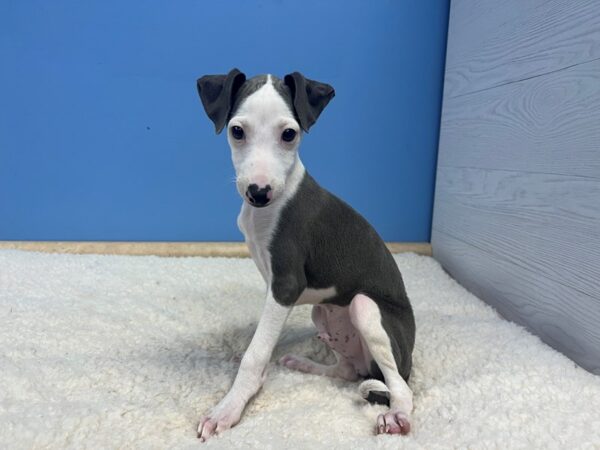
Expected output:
(220, 418)
(288, 360)
(393, 422)
(297, 363)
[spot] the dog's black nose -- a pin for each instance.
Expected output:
(259, 197)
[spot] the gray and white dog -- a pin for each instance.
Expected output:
(311, 248)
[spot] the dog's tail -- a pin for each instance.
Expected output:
(375, 391)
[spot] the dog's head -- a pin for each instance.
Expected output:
(265, 117)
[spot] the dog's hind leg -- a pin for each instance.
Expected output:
(341, 369)
(336, 330)
(366, 317)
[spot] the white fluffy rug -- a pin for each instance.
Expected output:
(128, 352)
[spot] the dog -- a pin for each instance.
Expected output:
(311, 248)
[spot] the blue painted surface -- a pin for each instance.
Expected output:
(103, 137)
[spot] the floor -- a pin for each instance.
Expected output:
(129, 351)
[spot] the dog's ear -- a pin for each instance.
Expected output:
(217, 93)
(309, 97)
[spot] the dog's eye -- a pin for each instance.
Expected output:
(237, 133)
(288, 135)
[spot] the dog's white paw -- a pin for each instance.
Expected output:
(393, 422)
(222, 417)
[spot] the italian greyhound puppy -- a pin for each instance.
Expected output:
(311, 248)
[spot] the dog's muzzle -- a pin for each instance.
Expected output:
(259, 197)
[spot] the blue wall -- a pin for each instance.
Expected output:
(103, 137)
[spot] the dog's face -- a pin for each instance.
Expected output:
(265, 117)
(264, 137)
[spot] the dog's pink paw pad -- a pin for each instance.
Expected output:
(206, 428)
(393, 422)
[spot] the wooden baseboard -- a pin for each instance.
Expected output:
(227, 249)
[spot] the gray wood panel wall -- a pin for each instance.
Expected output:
(517, 202)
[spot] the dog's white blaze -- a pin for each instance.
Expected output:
(263, 156)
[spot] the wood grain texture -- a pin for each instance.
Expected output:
(522, 259)
(515, 291)
(502, 211)
(491, 43)
(220, 249)
(517, 202)
(548, 124)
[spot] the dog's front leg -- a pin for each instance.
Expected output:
(251, 373)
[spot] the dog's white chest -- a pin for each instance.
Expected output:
(258, 227)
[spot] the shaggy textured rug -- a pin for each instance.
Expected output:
(128, 352)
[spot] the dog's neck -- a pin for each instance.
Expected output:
(259, 224)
